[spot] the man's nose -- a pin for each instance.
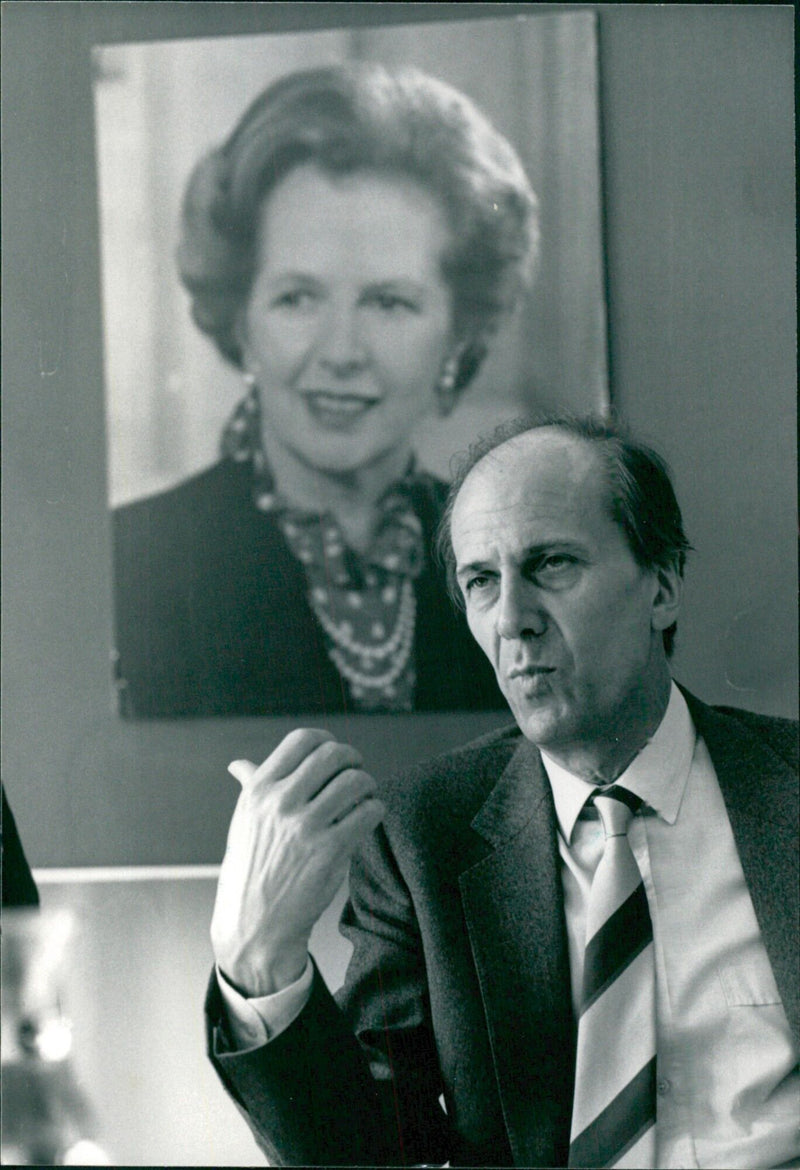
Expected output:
(520, 610)
(340, 346)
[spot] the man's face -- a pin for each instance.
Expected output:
(571, 624)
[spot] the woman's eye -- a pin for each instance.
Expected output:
(391, 303)
(295, 298)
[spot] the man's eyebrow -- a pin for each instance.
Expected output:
(559, 543)
(486, 562)
(473, 566)
(531, 553)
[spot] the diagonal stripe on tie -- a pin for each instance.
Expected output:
(615, 945)
(614, 1108)
(620, 1125)
(613, 1042)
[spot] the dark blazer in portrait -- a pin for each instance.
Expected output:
(459, 982)
(212, 619)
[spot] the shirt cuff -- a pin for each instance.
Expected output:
(253, 1022)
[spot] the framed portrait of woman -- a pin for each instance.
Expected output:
(330, 261)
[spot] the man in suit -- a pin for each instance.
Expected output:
(575, 939)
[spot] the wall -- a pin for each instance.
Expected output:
(696, 107)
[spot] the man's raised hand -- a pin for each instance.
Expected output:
(298, 819)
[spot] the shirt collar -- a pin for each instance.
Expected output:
(658, 774)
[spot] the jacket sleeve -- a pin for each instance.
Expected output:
(353, 1082)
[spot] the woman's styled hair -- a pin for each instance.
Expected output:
(640, 496)
(355, 117)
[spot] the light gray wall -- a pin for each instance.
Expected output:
(696, 107)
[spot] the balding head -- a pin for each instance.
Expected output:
(639, 495)
(569, 617)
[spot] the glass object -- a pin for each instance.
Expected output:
(46, 1118)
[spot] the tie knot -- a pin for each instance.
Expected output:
(616, 807)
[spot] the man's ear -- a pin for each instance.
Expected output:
(667, 598)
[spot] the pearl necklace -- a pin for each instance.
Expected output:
(396, 648)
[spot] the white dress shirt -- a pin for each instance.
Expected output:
(728, 1082)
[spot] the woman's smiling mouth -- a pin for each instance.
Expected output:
(334, 410)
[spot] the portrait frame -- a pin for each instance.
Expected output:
(160, 106)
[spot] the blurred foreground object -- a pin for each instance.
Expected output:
(46, 1119)
(19, 888)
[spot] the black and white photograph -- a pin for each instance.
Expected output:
(399, 616)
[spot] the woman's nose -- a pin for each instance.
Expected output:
(340, 347)
(520, 610)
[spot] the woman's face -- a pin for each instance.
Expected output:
(349, 319)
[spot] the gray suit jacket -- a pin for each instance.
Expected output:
(459, 982)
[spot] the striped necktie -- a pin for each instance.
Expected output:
(614, 1108)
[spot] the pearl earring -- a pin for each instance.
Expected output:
(252, 401)
(446, 393)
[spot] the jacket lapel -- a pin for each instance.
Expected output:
(513, 905)
(760, 793)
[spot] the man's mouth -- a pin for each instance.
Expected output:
(530, 671)
(532, 682)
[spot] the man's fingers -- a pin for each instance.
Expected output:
(290, 753)
(346, 790)
(325, 763)
(309, 767)
(359, 821)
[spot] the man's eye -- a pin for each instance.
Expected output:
(557, 567)
(479, 581)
